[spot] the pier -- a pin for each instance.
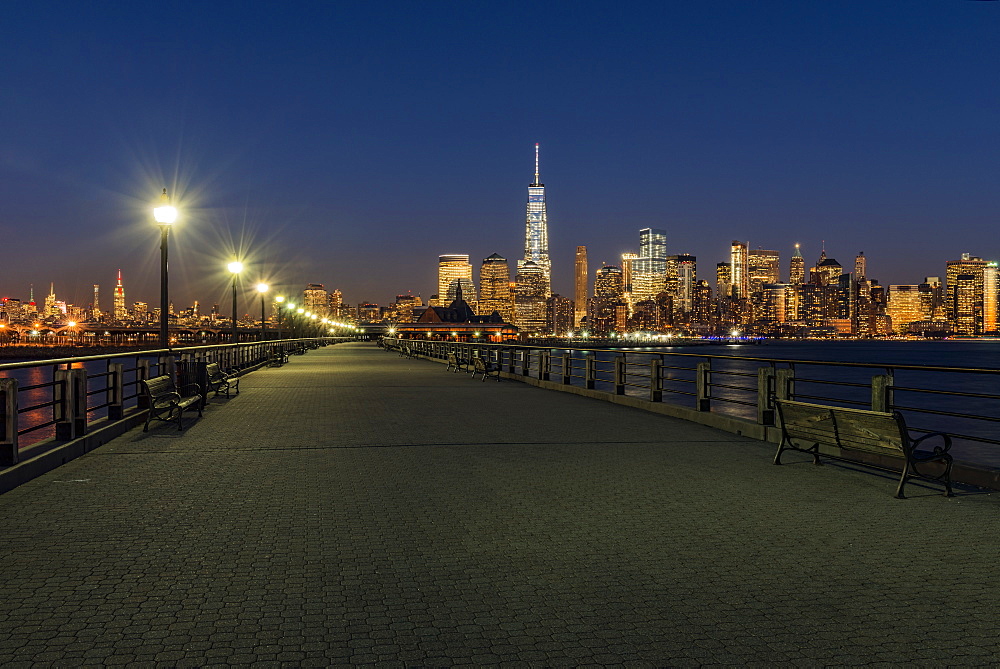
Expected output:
(357, 507)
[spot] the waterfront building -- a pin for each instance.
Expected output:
(560, 314)
(647, 276)
(797, 268)
(369, 312)
(682, 274)
(628, 258)
(701, 302)
(723, 280)
(965, 304)
(739, 274)
(494, 284)
(530, 295)
(536, 234)
(457, 322)
(904, 307)
(337, 309)
(581, 285)
(140, 312)
(95, 311)
(403, 309)
(762, 267)
(990, 323)
(932, 299)
(452, 268)
(609, 297)
(50, 310)
(314, 299)
(121, 312)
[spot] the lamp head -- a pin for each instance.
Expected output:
(262, 287)
(235, 267)
(279, 299)
(164, 214)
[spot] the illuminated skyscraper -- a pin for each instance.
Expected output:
(990, 296)
(723, 280)
(904, 306)
(314, 299)
(455, 269)
(494, 285)
(609, 299)
(121, 313)
(50, 308)
(687, 278)
(762, 267)
(965, 286)
(96, 311)
(536, 235)
(582, 293)
(860, 267)
(740, 275)
(797, 268)
(530, 298)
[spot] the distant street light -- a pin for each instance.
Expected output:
(235, 267)
(165, 216)
(262, 288)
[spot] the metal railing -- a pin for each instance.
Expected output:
(962, 402)
(60, 399)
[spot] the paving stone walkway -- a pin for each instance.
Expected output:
(355, 507)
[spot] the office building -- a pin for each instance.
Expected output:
(530, 295)
(763, 267)
(452, 269)
(797, 268)
(966, 292)
(582, 290)
(739, 271)
(121, 312)
(315, 299)
(904, 306)
(495, 293)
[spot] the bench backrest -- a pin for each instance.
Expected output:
(452, 358)
(159, 385)
(213, 370)
(849, 428)
(479, 364)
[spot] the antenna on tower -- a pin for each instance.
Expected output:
(537, 180)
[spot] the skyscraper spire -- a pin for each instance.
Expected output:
(538, 180)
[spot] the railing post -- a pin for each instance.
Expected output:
(116, 391)
(526, 362)
(703, 386)
(544, 365)
(655, 380)
(567, 368)
(166, 366)
(78, 379)
(882, 392)
(141, 374)
(63, 409)
(8, 422)
(511, 359)
(590, 373)
(784, 384)
(620, 375)
(765, 391)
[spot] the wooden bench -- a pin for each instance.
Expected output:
(163, 397)
(485, 367)
(805, 427)
(220, 381)
(277, 358)
(455, 363)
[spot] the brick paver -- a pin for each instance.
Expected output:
(354, 507)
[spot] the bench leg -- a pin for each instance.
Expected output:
(902, 481)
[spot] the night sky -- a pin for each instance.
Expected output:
(351, 143)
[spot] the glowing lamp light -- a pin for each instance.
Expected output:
(291, 305)
(235, 267)
(281, 298)
(313, 316)
(735, 333)
(262, 287)
(301, 310)
(164, 214)
(72, 324)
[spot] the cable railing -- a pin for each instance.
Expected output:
(63, 399)
(962, 402)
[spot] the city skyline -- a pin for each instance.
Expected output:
(870, 128)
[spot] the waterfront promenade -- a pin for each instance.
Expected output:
(355, 507)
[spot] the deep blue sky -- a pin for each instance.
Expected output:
(351, 143)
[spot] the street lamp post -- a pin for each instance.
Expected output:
(165, 216)
(279, 299)
(262, 288)
(235, 267)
